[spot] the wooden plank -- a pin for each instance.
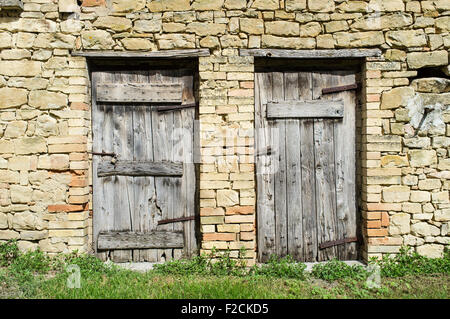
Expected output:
(309, 216)
(189, 189)
(140, 168)
(307, 109)
(293, 172)
(135, 240)
(143, 185)
(325, 175)
(162, 126)
(278, 91)
(345, 165)
(264, 169)
(170, 54)
(140, 92)
(307, 193)
(311, 54)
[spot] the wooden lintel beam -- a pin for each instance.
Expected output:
(311, 54)
(169, 54)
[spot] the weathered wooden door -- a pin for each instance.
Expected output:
(306, 183)
(143, 164)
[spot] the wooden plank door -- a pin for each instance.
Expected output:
(143, 164)
(306, 186)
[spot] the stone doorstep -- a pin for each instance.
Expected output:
(146, 266)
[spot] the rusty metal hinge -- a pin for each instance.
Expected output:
(174, 220)
(333, 243)
(165, 108)
(342, 88)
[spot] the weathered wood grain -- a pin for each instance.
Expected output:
(266, 165)
(306, 205)
(140, 92)
(134, 240)
(307, 109)
(318, 54)
(140, 168)
(293, 172)
(170, 54)
(140, 136)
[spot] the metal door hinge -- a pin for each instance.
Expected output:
(174, 220)
(333, 243)
(342, 88)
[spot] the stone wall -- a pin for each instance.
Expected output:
(45, 185)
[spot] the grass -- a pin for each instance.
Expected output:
(217, 276)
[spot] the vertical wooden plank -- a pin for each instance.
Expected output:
(162, 131)
(308, 195)
(123, 146)
(188, 189)
(278, 88)
(264, 182)
(325, 175)
(143, 186)
(345, 163)
(103, 136)
(293, 172)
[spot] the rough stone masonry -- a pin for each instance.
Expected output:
(45, 124)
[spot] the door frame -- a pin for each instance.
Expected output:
(268, 63)
(111, 63)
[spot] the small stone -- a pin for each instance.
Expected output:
(406, 38)
(206, 5)
(282, 28)
(114, 23)
(396, 194)
(429, 184)
(417, 60)
(251, 26)
(20, 194)
(138, 44)
(399, 224)
(96, 40)
(419, 158)
(128, 5)
(266, 4)
(424, 229)
(227, 198)
(30, 145)
(321, 5)
(396, 97)
(148, 26)
(45, 100)
(420, 196)
(358, 39)
(312, 29)
(431, 85)
(295, 5)
(11, 97)
(431, 250)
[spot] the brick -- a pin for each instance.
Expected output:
(212, 211)
(373, 224)
(240, 210)
(377, 232)
(219, 236)
(236, 219)
(384, 207)
(65, 208)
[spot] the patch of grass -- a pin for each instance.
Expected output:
(407, 262)
(276, 267)
(336, 269)
(217, 276)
